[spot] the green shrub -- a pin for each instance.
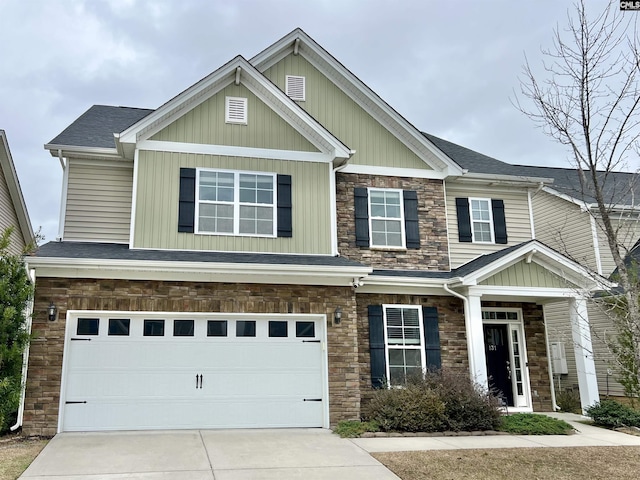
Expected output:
(433, 403)
(355, 428)
(534, 424)
(569, 401)
(611, 414)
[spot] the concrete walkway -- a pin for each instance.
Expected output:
(586, 436)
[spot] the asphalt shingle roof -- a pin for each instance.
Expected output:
(96, 126)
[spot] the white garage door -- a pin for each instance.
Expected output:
(126, 371)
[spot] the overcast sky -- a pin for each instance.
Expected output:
(450, 67)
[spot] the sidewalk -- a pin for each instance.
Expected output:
(586, 436)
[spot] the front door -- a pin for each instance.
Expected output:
(499, 369)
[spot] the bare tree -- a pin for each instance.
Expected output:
(588, 98)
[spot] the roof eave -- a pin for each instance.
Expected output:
(489, 178)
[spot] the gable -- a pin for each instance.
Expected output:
(8, 216)
(523, 274)
(205, 124)
(345, 119)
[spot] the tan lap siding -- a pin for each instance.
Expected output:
(8, 217)
(98, 201)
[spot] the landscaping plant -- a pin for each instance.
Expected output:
(611, 414)
(534, 424)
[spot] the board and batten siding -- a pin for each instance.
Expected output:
(156, 224)
(344, 118)
(98, 201)
(523, 274)
(516, 211)
(9, 218)
(559, 330)
(564, 227)
(205, 124)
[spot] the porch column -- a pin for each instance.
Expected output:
(583, 351)
(475, 341)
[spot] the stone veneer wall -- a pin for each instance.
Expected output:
(45, 358)
(453, 341)
(434, 251)
(534, 333)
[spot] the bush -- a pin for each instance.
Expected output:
(433, 403)
(569, 401)
(611, 414)
(534, 424)
(355, 428)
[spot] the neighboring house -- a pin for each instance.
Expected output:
(13, 210)
(273, 242)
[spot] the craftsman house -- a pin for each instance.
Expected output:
(273, 242)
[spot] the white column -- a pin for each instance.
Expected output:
(475, 341)
(583, 351)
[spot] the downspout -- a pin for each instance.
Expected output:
(25, 354)
(334, 206)
(467, 324)
(554, 405)
(63, 195)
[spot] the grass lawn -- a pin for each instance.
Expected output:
(594, 463)
(16, 453)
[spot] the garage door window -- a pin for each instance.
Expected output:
(217, 328)
(119, 326)
(278, 329)
(245, 328)
(305, 330)
(88, 326)
(154, 328)
(183, 328)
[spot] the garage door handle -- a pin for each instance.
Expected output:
(310, 341)
(312, 400)
(198, 381)
(71, 403)
(80, 339)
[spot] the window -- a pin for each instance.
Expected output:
(183, 328)
(119, 326)
(217, 328)
(236, 203)
(245, 328)
(481, 220)
(278, 329)
(295, 87)
(235, 110)
(88, 326)
(153, 328)
(386, 217)
(305, 329)
(404, 342)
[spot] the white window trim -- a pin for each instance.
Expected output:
(304, 87)
(401, 219)
(236, 203)
(387, 347)
(236, 121)
(490, 221)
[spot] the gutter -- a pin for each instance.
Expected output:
(25, 355)
(467, 324)
(334, 208)
(554, 405)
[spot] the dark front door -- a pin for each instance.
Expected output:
(496, 346)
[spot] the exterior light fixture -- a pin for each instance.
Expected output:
(337, 316)
(52, 312)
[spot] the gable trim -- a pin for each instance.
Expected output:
(233, 151)
(394, 172)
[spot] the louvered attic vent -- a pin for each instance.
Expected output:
(235, 110)
(295, 87)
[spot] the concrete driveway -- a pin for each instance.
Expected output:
(313, 454)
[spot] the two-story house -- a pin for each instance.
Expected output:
(273, 242)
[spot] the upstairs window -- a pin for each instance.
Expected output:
(295, 87)
(481, 220)
(386, 217)
(235, 110)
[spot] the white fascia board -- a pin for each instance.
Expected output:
(593, 207)
(395, 172)
(85, 151)
(568, 198)
(232, 151)
(13, 184)
(200, 271)
(527, 292)
(359, 92)
(491, 179)
(379, 283)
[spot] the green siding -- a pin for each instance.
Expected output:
(524, 274)
(157, 205)
(205, 125)
(343, 117)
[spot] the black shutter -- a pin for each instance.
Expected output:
(285, 221)
(361, 200)
(187, 200)
(376, 347)
(431, 338)
(464, 220)
(411, 228)
(499, 223)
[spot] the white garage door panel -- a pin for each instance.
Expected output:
(137, 382)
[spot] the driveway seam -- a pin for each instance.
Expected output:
(204, 445)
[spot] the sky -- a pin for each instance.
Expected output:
(451, 68)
